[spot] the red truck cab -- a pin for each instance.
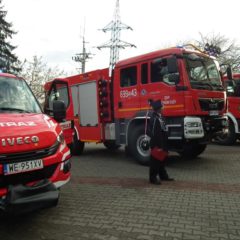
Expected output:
(59, 91)
(34, 157)
(232, 133)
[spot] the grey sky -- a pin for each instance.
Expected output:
(53, 28)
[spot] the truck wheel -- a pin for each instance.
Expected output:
(77, 146)
(135, 144)
(111, 145)
(227, 138)
(192, 150)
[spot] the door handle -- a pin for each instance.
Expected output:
(119, 104)
(150, 101)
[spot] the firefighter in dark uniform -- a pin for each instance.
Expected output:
(158, 144)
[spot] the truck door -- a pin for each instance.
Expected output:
(59, 91)
(127, 87)
(157, 82)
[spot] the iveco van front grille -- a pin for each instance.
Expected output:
(24, 156)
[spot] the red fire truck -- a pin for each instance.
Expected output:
(114, 110)
(232, 133)
(34, 157)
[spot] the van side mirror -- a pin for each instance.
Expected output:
(59, 110)
(229, 73)
(172, 65)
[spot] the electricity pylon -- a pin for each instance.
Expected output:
(82, 57)
(115, 26)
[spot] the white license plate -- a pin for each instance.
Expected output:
(213, 113)
(13, 168)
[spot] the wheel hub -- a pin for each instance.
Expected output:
(143, 145)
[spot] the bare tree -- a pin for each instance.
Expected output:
(36, 73)
(230, 50)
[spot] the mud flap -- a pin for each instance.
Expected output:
(23, 199)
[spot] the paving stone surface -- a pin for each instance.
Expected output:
(109, 198)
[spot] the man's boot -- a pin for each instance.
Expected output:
(164, 175)
(154, 180)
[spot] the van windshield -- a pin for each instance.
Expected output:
(203, 73)
(16, 96)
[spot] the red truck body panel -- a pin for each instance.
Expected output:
(86, 133)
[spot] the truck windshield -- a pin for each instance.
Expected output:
(203, 73)
(16, 96)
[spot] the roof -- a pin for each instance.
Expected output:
(7, 75)
(155, 54)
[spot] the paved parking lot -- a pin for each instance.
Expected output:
(109, 198)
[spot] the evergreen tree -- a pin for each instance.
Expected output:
(8, 60)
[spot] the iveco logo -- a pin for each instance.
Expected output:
(19, 141)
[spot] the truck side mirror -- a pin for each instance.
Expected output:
(59, 110)
(237, 90)
(172, 65)
(229, 73)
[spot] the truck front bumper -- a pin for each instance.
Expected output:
(216, 124)
(22, 199)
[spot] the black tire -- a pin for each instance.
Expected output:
(111, 145)
(192, 150)
(127, 151)
(77, 146)
(135, 145)
(228, 138)
(55, 203)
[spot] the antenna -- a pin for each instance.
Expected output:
(115, 26)
(83, 56)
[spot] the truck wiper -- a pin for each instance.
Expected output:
(14, 110)
(217, 86)
(202, 84)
